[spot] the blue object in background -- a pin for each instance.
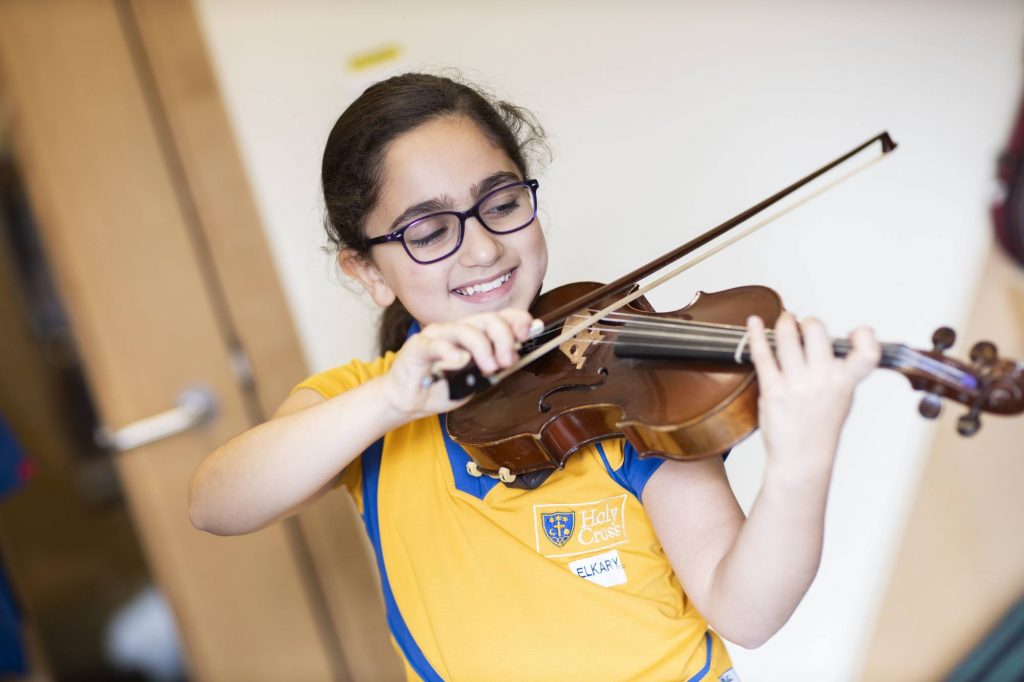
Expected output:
(15, 469)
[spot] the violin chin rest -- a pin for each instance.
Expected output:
(530, 480)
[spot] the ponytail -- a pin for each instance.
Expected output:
(395, 322)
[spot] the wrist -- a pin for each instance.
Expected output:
(799, 472)
(391, 413)
(798, 496)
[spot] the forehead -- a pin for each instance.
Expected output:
(443, 157)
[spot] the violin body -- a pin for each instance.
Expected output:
(676, 384)
(585, 391)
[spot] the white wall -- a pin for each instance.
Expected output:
(693, 111)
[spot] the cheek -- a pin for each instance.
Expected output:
(414, 282)
(537, 250)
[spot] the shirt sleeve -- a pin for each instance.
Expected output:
(337, 380)
(633, 471)
(636, 470)
(334, 382)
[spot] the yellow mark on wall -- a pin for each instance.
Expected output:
(381, 55)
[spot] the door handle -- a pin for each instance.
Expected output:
(196, 406)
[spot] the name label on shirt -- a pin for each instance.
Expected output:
(580, 528)
(605, 569)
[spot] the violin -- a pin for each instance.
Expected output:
(677, 384)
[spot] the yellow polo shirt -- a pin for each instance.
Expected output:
(486, 582)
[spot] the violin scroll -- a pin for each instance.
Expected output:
(988, 384)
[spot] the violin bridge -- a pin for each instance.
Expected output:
(576, 348)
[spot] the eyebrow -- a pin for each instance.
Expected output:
(493, 181)
(445, 203)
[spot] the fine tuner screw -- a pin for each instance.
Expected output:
(943, 338)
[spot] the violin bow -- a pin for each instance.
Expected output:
(468, 380)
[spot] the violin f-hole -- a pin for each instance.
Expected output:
(543, 406)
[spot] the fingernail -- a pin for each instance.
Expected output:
(536, 327)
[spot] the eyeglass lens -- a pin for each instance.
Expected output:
(436, 237)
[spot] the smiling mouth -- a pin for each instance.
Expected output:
(485, 287)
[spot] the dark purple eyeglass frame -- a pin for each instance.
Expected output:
(474, 212)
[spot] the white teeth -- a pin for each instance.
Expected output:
(488, 286)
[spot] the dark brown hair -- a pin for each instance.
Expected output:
(354, 156)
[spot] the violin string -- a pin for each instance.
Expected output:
(898, 353)
(728, 336)
(569, 331)
(891, 351)
(725, 338)
(895, 352)
(704, 330)
(961, 379)
(735, 332)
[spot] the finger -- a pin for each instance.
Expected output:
(788, 349)
(445, 356)
(760, 352)
(520, 320)
(470, 338)
(817, 344)
(866, 353)
(501, 335)
(421, 352)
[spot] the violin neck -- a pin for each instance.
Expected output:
(665, 339)
(732, 350)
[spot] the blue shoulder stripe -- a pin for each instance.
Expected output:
(477, 486)
(699, 675)
(634, 472)
(399, 630)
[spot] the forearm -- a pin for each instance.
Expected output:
(275, 467)
(746, 576)
(764, 575)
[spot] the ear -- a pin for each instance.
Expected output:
(363, 270)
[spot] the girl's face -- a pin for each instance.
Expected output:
(448, 161)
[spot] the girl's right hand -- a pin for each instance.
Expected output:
(489, 339)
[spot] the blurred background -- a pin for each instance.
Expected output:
(161, 239)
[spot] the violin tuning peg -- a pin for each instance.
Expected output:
(943, 338)
(930, 406)
(968, 424)
(984, 353)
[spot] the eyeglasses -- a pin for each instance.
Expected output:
(436, 236)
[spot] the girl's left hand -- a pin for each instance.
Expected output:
(806, 391)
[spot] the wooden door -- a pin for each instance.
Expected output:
(153, 237)
(960, 564)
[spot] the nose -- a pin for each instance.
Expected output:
(479, 247)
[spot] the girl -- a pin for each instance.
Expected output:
(611, 569)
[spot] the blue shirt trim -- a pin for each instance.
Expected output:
(699, 675)
(634, 472)
(399, 630)
(477, 486)
(13, 464)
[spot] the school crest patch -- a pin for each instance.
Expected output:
(578, 528)
(558, 526)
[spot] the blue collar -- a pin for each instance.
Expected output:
(478, 487)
